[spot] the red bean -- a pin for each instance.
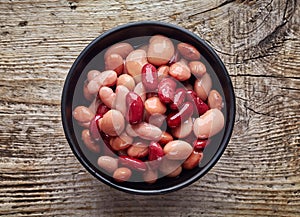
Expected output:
(175, 119)
(200, 144)
(200, 106)
(102, 109)
(155, 154)
(94, 129)
(135, 108)
(149, 77)
(179, 98)
(132, 163)
(166, 90)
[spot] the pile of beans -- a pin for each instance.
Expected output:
(153, 110)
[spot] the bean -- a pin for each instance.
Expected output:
(123, 49)
(200, 144)
(88, 141)
(175, 173)
(209, 124)
(107, 96)
(200, 106)
(177, 150)
(149, 77)
(162, 72)
(121, 142)
(174, 119)
(112, 123)
(188, 51)
(132, 163)
(215, 100)
(197, 68)
(108, 163)
(135, 108)
(154, 106)
(127, 81)
(130, 131)
(92, 74)
(155, 154)
(179, 98)
(122, 174)
(106, 78)
(140, 90)
(168, 166)
(180, 71)
(150, 176)
(202, 86)
(147, 131)
(160, 50)
(120, 102)
(175, 58)
(94, 104)
(94, 129)
(135, 62)
(114, 62)
(138, 150)
(83, 115)
(184, 129)
(193, 160)
(157, 120)
(165, 138)
(166, 90)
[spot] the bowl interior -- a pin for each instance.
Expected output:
(72, 96)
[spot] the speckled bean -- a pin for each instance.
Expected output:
(180, 71)
(197, 68)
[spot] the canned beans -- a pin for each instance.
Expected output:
(153, 110)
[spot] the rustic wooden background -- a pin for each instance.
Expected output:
(259, 174)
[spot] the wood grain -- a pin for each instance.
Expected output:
(258, 175)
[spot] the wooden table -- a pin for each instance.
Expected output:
(258, 175)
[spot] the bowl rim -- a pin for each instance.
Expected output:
(230, 117)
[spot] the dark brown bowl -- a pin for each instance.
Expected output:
(125, 32)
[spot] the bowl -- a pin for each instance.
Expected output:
(137, 34)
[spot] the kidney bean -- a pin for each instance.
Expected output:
(150, 176)
(179, 98)
(202, 86)
(197, 68)
(147, 131)
(112, 123)
(120, 102)
(209, 124)
(157, 120)
(123, 49)
(200, 144)
(177, 150)
(166, 90)
(160, 50)
(184, 129)
(114, 62)
(135, 62)
(135, 108)
(132, 163)
(121, 142)
(122, 174)
(215, 100)
(155, 154)
(188, 51)
(154, 106)
(140, 90)
(107, 96)
(83, 115)
(174, 119)
(89, 142)
(108, 163)
(180, 71)
(127, 81)
(138, 150)
(106, 78)
(162, 72)
(165, 138)
(102, 109)
(92, 74)
(168, 166)
(175, 58)
(200, 106)
(149, 77)
(193, 160)
(93, 128)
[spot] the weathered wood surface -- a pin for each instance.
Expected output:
(259, 174)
